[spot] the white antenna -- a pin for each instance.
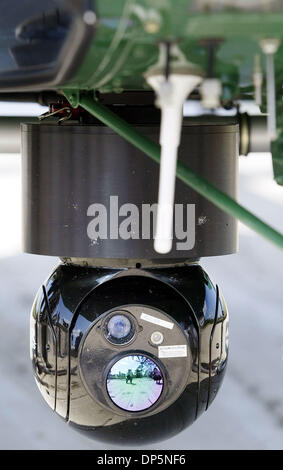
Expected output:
(171, 95)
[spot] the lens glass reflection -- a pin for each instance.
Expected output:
(134, 383)
(119, 326)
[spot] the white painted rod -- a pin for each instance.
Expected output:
(171, 96)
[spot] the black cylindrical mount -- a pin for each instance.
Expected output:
(254, 137)
(84, 188)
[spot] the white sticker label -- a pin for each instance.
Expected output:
(157, 321)
(177, 350)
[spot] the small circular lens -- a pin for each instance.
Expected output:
(119, 326)
(157, 337)
(134, 383)
(119, 329)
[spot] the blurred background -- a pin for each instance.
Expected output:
(248, 411)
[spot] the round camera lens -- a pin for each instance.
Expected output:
(119, 326)
(134, 383)
(119, 329)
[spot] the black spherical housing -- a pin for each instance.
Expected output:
(73, 358)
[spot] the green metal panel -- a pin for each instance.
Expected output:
(128, 39)
(128, 34)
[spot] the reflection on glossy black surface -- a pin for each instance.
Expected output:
(69, 320)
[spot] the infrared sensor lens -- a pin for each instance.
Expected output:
(134, 383)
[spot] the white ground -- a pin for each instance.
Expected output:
(136, 396)
(248, 412)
